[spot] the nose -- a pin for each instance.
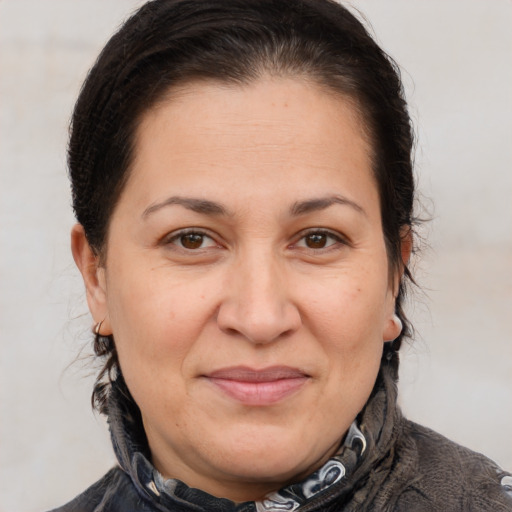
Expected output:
(258, 303)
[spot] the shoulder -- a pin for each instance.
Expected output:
(450, 477)
(114, 492)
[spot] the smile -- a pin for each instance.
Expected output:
(258, 387)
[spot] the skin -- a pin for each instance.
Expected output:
(288, 266)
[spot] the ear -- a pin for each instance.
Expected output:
(393, 325)
(405, 253)
(406, 244)
(93, 274)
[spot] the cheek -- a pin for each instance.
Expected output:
(156, 319)
(348, 309)
(347, 315)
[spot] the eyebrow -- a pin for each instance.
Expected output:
(203, 206)
(207, 207)
(321, 203)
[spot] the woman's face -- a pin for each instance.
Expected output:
(246, 282)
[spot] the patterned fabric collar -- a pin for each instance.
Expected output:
(332, 472)
(366, 443)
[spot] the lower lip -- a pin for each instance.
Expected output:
(259, 393)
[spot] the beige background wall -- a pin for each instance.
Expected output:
(457, 377)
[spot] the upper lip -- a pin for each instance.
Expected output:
(247, 374)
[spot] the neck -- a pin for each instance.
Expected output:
(237, 489)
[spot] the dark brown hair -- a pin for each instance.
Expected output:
(171, 42)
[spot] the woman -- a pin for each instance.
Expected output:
(242, 181)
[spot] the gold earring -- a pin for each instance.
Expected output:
(97, 328)
(103, 343)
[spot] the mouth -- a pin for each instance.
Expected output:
(258, 387)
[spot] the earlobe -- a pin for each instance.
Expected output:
(394, 328)
(93, 274)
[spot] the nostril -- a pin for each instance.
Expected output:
(287, 333)
(231, 331)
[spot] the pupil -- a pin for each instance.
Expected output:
(316, 241)
(192, 241)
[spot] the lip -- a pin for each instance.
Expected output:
(258, 387)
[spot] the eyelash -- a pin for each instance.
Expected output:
(338, 240)
(335, 237)
(175, 236)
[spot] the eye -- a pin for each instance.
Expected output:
(319, 239)
(192, 240)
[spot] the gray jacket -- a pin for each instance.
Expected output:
(386, 463)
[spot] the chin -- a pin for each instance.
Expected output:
(270, 454)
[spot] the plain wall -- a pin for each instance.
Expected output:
(456, 377)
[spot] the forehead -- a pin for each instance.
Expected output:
(285, 131)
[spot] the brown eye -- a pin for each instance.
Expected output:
(191, 240)
(316, 240)
(320, 239)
